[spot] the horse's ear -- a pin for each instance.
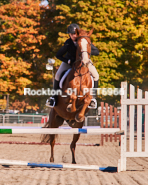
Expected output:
(90, 32)
(77, 31)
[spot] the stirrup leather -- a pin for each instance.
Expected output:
(95, 101)
(48, 102)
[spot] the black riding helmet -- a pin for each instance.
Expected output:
(71, 28)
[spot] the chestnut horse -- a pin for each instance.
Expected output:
(73, 107)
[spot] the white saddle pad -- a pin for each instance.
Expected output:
(92, 82)
(63, 78)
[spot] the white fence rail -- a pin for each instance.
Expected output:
(134, 150)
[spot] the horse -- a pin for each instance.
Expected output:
(73, 107)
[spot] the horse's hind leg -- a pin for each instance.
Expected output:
(54, 122)
(58, 121)
(52, 143)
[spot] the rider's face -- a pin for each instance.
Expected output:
(73, 36)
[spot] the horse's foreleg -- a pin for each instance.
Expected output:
(73, 146)
(52, 143)
(72, 106)
(80, 116)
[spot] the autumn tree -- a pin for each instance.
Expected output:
(3, 2)
(24, 48)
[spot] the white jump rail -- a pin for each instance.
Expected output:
(132, 102)
(53, 165)
(62, 131)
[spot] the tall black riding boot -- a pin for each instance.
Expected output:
(93, 103)
(96, 84)
(53, 100)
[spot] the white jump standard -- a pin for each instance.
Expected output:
(132, 102)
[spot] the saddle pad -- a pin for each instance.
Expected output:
(92, 81)
(65, 75)
(63, 78)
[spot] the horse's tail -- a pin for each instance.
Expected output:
(45, 138)
(53, 122)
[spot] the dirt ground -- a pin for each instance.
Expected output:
(107, 155)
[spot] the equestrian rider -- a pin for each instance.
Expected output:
(67, 54)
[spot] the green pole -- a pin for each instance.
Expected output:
(5, 131)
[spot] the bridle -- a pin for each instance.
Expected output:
(84, 51)
(80, 53)
(82, 64)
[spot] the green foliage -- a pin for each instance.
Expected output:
(120, 33)
(3, 2)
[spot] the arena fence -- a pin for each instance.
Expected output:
(22, 119)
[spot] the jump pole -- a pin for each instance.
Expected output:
(52, 165)
(63, 131)
(39, 143)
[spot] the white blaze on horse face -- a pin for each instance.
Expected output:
(85, 58)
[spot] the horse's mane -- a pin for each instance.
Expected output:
(82, 32)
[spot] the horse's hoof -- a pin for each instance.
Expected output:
(69, 108)
(71, 123)
(79, 119)
(80, 107)
(74, 162)
(51, 159)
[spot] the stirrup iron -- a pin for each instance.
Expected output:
(48, 103)
(95, 101)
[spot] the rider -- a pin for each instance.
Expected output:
(69, 48)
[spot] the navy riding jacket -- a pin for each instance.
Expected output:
(68, 51)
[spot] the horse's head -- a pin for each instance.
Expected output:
(83, 45)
